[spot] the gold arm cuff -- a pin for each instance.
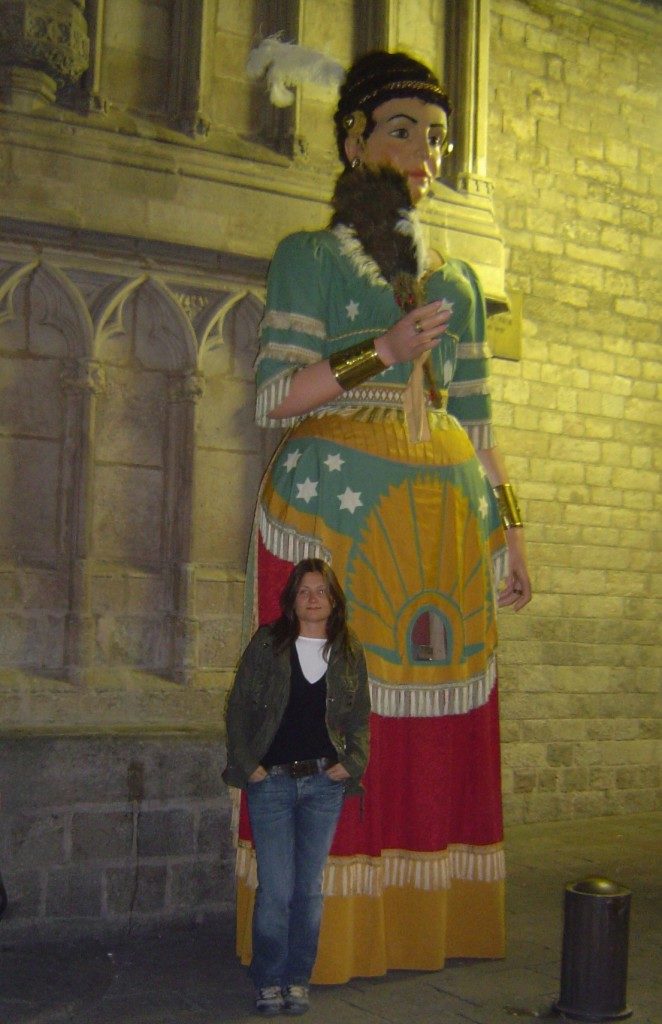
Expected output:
(356, 364)
(508, 507)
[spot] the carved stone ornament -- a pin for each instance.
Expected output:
(87, 375)
(43, 44)
(187, 388)
(475, 185)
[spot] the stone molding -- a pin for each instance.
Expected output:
(475, 184)
(642, 18)
(71, 311)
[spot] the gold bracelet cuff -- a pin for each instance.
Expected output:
(356, 364)
(509, 511)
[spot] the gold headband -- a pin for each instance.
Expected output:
(402, 85)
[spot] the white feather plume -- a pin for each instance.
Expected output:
(288, 64)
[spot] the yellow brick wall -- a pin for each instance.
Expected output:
(574, 132)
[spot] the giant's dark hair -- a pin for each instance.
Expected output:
(379, 76)
(286, 628)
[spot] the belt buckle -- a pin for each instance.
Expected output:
(299, 769)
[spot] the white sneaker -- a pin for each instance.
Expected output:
(296, 1000)
(269, 1001)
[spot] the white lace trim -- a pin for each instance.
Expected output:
(411, 700)
(372, 401)
(269, 396)
(466, 388)
(474, 350)
(370, 876)
(287, 353)
(287, 543)
(480, 433)
(283, 320)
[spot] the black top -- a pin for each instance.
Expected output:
(302, 733)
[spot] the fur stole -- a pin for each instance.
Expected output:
(372, 207)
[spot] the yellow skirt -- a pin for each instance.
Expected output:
(413, 533)
(405, 929)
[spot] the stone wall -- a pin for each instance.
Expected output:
(101, 835)
(575, 132)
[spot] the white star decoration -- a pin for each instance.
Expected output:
(350, 500)
(482, 507)
(292, 460)
(446, 305)
(333, 463)
(352, 308)
(307, 490)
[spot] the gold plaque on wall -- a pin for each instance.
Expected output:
(504, 330)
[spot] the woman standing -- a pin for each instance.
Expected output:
(297, 737)
(373, 354)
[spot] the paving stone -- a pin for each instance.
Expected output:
(190, 975)
(140, 890)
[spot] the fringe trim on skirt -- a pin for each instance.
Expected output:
(370, 876)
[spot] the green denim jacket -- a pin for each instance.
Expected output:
(259, 696)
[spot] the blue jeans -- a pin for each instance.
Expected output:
(293, 822)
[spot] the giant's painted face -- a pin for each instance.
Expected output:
(409, 135)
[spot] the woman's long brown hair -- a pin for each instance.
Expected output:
(286, 628)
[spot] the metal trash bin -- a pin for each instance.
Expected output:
(595, 951)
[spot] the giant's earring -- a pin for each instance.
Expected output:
(355, 124)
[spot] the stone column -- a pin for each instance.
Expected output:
(468, 54)
(76, 510)
(89, 97)
(371, 26)
(190, 28)
(180, 570)
(43, 46)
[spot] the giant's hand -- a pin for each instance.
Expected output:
(315, 385)
(517, 590)
(417, 332)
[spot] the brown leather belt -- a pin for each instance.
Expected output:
(299, 769)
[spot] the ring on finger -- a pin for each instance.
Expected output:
(418, 326)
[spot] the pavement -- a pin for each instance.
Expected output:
(190, 975)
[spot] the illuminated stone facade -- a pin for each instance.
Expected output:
(145, 184)
(144, 203)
